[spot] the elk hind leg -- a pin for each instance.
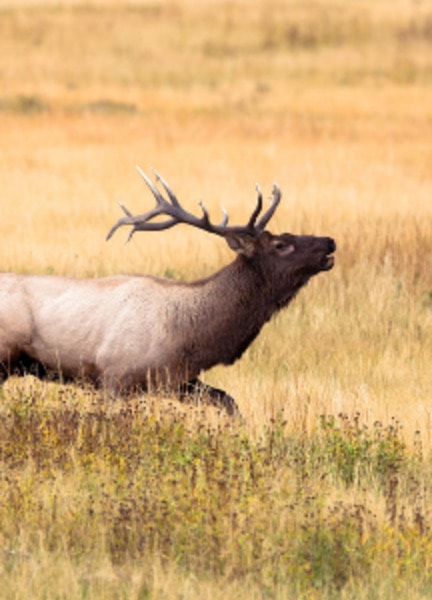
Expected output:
(217, 397)
(8, 356)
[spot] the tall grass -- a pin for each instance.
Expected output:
(324, 490)
(105, 493)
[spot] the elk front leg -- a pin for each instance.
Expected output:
(218, 398)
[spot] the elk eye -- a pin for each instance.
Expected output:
(284, 248)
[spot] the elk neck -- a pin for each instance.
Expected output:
(229, 310)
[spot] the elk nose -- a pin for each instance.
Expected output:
(331, 244)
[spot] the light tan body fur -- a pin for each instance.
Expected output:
(122, 330)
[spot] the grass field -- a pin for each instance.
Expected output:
(324, 491)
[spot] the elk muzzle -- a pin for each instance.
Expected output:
(328, 259)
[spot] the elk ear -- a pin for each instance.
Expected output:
(242, 244)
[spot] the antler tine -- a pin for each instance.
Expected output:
(206, 217)
(258, 209)
(277, 195)
(125, 209)
(156, 193)
(225, 219)
(120, 222)
(123, 221)
(167, 188)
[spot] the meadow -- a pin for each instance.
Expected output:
(324, 491)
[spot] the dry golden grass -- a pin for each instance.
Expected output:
(333, 101)
(316, 100)
(313, 97)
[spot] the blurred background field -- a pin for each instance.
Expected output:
(332, 100)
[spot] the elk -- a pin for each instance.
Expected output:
(139, 333)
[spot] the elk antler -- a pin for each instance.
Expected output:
(171, 208)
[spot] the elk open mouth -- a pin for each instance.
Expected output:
(328, 262)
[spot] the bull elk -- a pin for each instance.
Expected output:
(140, 332)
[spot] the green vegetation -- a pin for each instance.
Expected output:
(284, 513)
